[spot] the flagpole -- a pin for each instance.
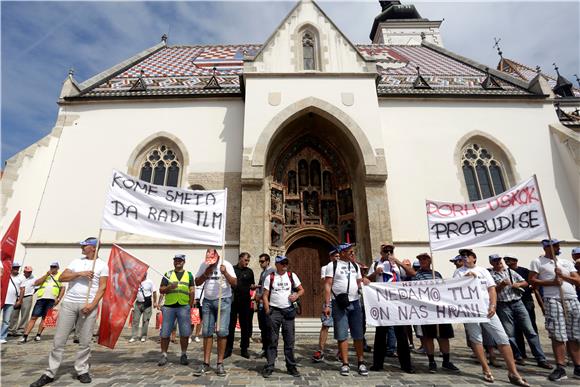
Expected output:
(97, 247)
(432, 260)
(149, 266)
(219, 312)
(551, 246)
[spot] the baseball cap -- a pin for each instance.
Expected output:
(343, 247)
(576, 250)
(416, 263)
(509, 256)
(550, 242)
(422, 255)
(387, 244)
(211, 256)
(333, 251)
(28, 269)
(494, 257)
(90, 241)
(456, 258)
(179, 256)
(16, 264)
(281, 258)
(54, 264)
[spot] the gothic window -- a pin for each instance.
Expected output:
(197, 187)
(308, 51)
(161, 166)
(483, 172)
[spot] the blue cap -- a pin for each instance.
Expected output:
(179, 256)
(416, 264)
(343, 247)
(494, 257)
(456, 258)
(280, 258)
(333, 251)
(576, 250)
(91, 241)
(16, 264)
(550, 242)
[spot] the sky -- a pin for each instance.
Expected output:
(41, 41)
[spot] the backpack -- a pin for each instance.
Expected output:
(342, 299)
(297, 304)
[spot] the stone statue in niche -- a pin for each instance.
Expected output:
(303, 173)
(326, 184)
(276, 202)
(328, 213)
(292, 214)
(292, 189)
(276, 233)
(315, 173)
(314, 203)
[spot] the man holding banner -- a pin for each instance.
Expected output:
(77, 310)
(493, 327)
(558, 279)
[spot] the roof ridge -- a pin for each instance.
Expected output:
(214, 45)
(529, 68)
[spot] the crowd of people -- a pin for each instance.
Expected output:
(225, 294)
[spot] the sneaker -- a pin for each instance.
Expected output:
(85, 378)
(449, 366)
(183, 360)
(266, 373)
(132, 340)
(294, 372)
(345, 370)
(432, 367)
(162, 361)
(37, 338)
(43, 380)
(196, 339)
(362, 369)
(2, 341)
(220, 370)
(558, 374)
(577, 372)
(23, 340)
(318, 356)
(544, 364)
(143, 339)
(202, 370)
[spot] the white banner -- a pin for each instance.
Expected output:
(138, 207)
(512, 216)
(457, 300)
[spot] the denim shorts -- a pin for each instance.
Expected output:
(210, 311)
(351, 317)
(327, 321)
(42, 306)
(170, 315)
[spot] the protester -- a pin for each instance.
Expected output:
(78, 309)
(343, 279)
(49, 294)
(263, 319)
(441, 332)
(558, 279)
(196, 328)
(144, 303)
(282, 289)
(493, 327)
(241, 306)
(576, 259)
(457, 261)
(14, 297)
(388, 269)
(20, 316)
(213, 279)
(326, 320)
(178, 287)
(511, 311)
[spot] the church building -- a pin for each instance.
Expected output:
(318, 141)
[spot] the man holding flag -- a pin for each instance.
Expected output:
(86, 275)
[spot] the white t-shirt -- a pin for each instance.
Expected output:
(78, 288)
(391, 273)
(211, 291)
(28, 284)
(145, 290)
(545, 269)
(281, 289)
(483, 275)
(323, 270)
(198, 290)
(340, 282)
(13, 290)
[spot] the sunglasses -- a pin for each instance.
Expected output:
(284, 263)
(262, 261)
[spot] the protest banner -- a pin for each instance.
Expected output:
(125, 275)
(7, 251)
(138, 207)
(512, 216)
(458, 300)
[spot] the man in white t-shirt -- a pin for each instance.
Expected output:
(281, 290)
(215, 275)
(86, 276)
(144, 303)
(343, 280)
(494, 327)
(14, 297)
(558, 279)
(326, 320)
(20, 316)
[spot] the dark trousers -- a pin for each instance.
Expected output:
(380, 347)
(520, 340)
(240, 309)
(265, 328)
(278, 321)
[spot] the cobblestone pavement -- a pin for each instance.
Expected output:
(136, 364)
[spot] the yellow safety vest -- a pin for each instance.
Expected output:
(56, 285)
(179, 295)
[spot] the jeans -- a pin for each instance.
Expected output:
(391, 341)
(183, 316)
(6, 313)
(277, 320)
(515, 314)
(530, 307)
(210, 313)
(265, 327)
(351, 317)
(138, 312)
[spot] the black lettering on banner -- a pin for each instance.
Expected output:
(210, 198)
(217, 217)
(120, 209)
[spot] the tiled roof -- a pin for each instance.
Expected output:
(186, 70)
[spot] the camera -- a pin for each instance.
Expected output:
(387, 250)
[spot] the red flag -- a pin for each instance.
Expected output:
(125, 275)
(7, 250)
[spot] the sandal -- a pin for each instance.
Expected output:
(488, 377)
(518, 380)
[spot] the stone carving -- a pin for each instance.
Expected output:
(276, 202)
(292, 188)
